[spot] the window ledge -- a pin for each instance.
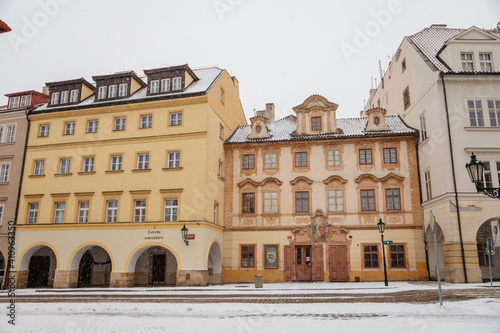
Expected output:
(4, 183)
(172, 169)
(6, 143)
(302, 214)
(113, 171)
(247, 215)
(141, 170)
(36, 176)
(83, 173)
(482, 128)
(63, 174)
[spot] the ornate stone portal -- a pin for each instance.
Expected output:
(319, 230)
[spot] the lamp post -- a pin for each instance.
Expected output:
(381, 229)
(184, 232)
(475, 169)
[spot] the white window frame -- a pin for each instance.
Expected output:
(271, 202)
(494, 112)
(176, 83)
(475, 113)
(428, 184)
(69, 128)
(467, 60)
(64, 97)
(25, 100)
(175, 118)
(122, 90)
(116, 163)
(32, 212)
(4, 172)
(14, 102)
(111, 211)
(485, 62)
(101, 93)
(120, 123)
(73, 96)
(147, 121)
(216, 212)
(92, 126)
(112, 91)
(270, 160)
(140, 210)
(143, 161)
(174, 160)
(333, 157)
(487, 175)
(335, 201)
(165, 85)
(59, 208)
(154, 86)
(54, 98)
(39, 167)
(221, 131)
(170, 210)
(88, 164)
(44, 130)
(10, 133)
(64, 166)
(423, 128)
(83, 211)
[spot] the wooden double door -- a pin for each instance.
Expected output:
(304, 262)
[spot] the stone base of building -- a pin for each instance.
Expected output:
(216, 278)
(192, 278)
(453, 263)
(237, 276)
(122, 280)
(66, 279)
(21, 278)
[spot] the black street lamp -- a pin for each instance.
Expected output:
(381, 229)
(475, 169)
(184, 232)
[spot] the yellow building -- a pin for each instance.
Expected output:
(304, 195)
(115, 170)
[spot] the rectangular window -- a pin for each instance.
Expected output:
(302, 202)
(122, 90)
(147, 121)
(423, 128)
(219, 173)
(142, 161)
(428, 188)
(111, 211)
(316, 123)
(222, 96)
(367, 200)
(271, 160)
(64, 97)
(333, 158)
(69, 128)
(248, 203)
(64, 166)
(475, 113)
(101, 93)
(25, 100)
(92, 126)
(390, 155)
(154, 86)
(170, 214)
(32, 213)
(1, 214)
(120, 124)
(248, 162)
(370, 253)
(488, 180)
(165, 85)
(54, 99)
(112, 91)
(247, 256)
(73, 98)
(83, 211)
(336, 201)
(176, 118)
(44, 130)
(39, 165)
(176, 83)
(4, 172)
(140, 210)
(221, 131)
(11, 133)
(365, 156)
(397, 256)
(467, 62)
(88, 164)
(406, 98)
(271, 203)
(59, 212)
(494, 111)
(116, 163)
(485, 62)
(174, 160)
(1, 133)
(216, 213)
(392, 199)
(301, 159)
(14, 102)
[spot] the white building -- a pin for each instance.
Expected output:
(446, 83)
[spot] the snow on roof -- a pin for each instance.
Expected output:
(431, 40)
(207, 77)
(281, 130)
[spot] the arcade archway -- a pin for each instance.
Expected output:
(155, 266)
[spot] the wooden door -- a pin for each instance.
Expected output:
(303, 267)
(288, 250)
(317, 263)
(337, 258)
(159, 261)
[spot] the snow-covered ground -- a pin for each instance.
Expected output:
(481, 315)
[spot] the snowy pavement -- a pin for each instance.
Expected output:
(476, 315)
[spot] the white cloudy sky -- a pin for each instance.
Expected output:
(281, 51)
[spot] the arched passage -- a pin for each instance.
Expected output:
(154, 265)
(485, 233)
(41, 264)
(215, 264)
(431, 252)
(94, 266)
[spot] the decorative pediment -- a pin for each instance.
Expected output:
(315, 102)
(392, 176)
(271, 180)
(316, 116)
(473, 33)
(366, 176)
(248, 181)
(319, 230)
(376, 120)
(301, 179)
(334, 178)
(259, 128)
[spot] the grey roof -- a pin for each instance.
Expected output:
(430, 41)
(207, 77)
(281, 130)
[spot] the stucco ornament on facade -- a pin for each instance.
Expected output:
(319, 230)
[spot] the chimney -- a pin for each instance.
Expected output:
(45, 90)
(269, 112)
(438, 26)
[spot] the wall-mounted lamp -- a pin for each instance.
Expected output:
(475, 169)
(184, 232)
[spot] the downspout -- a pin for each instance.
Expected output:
(441, 74)
(422, 211)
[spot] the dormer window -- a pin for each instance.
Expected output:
(69, 92)
(154, 86)
(117, 85)
(73, 98)
(485, 62)
(176, 83)
(25, 100)
(112, 91)
(122, 90)
(64, 97)
(467, 62)
(54, 99)
(169, 79)
(102, 92)
(165, 85)
(316, 124)
(14, 102)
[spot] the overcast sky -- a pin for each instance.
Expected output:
(281, 51)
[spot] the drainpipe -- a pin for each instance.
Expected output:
(441, 74)
(422, 211)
